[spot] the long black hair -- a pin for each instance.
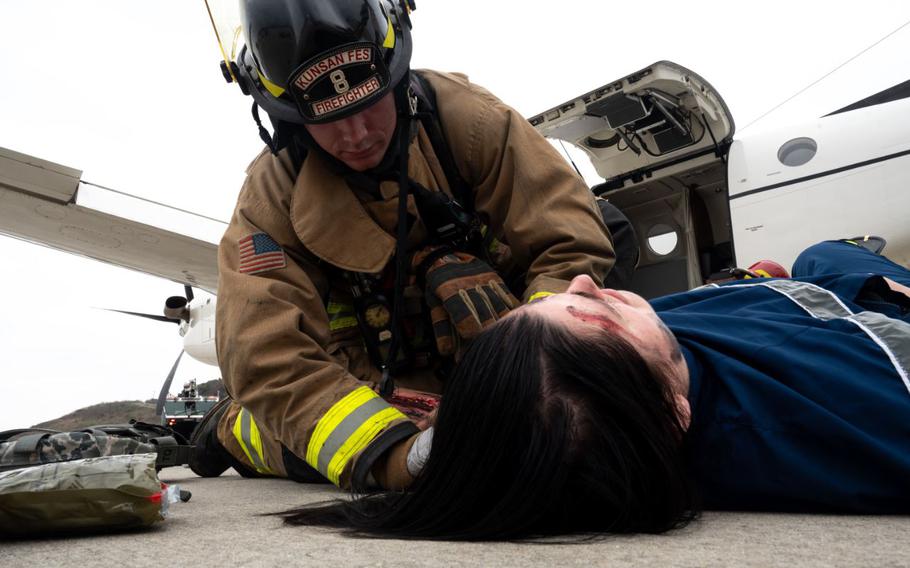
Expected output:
(540, 432)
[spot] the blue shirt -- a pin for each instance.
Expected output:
(799, 388)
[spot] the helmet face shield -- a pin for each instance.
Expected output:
(340, 82)
(225, 18)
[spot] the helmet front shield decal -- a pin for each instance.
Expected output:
(339, 82)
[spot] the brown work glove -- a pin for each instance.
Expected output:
(463, 293)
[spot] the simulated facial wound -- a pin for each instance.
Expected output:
(611, 320)
(600, 320)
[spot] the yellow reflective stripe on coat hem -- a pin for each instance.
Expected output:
(247, 434)
(348, 427)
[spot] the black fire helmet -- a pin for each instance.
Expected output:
(315, 61)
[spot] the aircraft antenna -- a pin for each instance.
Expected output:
(193, 213)
(826, 75)
(564, 149)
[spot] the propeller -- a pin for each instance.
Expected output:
(167, 386)
(176, 308)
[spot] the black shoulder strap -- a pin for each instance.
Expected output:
(286, 135)
(429, 117)
(290, 136)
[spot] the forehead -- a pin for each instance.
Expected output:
(574, 309)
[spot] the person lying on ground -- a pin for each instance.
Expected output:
(596, 411)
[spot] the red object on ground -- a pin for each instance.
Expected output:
(769, 269)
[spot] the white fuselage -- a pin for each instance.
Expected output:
(199, 333)
(858, 183)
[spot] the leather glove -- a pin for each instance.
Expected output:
(464, 295)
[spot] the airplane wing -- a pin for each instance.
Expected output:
(38, 205)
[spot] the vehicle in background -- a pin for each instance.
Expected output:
(183, 412)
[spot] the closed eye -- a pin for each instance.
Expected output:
(588, 295)
(600, 301)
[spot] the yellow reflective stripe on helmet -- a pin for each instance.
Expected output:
(341, 316)
(389, 35)
(347, 428)
(271, 87)
(539, 295)
(247, 434)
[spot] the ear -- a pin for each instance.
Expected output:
(683, 410)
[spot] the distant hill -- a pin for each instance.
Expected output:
(211, 388)
(120, 412)
(105, 413)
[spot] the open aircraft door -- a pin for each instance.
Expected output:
(659, 138)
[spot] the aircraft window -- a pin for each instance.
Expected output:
(797, 152)
(662, 239)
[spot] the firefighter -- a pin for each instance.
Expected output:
(393, 215)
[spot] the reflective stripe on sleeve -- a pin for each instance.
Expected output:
(891, 335)
(247, 434)
(818, 302)
(347, 428)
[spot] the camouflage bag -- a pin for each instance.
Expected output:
(111, 492)
(30, 447)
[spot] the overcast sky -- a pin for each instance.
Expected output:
(130, 93)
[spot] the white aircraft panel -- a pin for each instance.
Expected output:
(39, 177)
(36, 205)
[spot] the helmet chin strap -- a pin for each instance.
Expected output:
(263, 133)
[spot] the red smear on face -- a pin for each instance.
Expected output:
(603, 322)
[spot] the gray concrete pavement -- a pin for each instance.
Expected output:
(222, 526)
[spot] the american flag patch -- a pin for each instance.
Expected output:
(259, 253)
